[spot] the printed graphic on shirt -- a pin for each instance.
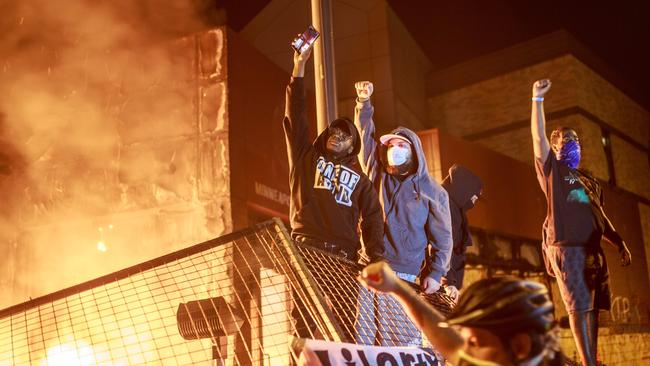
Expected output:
(572, 178)
(338, 179)
(579, 194)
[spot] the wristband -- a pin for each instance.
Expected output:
(537, 99)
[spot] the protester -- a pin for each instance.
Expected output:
(574, 226)
(416, 215)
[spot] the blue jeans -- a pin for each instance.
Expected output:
(381, 320)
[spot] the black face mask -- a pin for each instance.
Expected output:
(400, 170)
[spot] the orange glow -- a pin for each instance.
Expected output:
(101, 246)
(69, 354)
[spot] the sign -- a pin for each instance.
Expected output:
(324, 353)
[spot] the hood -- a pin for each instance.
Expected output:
(344, 122)
(419, 160)
(462, 184)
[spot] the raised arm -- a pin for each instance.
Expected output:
(363, 112)
(541, 146)
(295, 116)
(379, 277)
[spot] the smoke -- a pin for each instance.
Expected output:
(79, 81)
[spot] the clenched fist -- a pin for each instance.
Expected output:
(379, 277)
(540, 87)
(364, 89)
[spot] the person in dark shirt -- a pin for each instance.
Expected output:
(464, 189)
(574, 226)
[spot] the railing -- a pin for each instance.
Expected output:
(236, 300)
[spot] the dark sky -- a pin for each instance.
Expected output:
(451, 32)
(459, 30)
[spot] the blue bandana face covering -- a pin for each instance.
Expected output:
(569, 154)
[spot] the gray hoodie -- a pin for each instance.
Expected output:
(416, 208)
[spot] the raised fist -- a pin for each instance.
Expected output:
(379, 277)
(364, 89)
(540, 87)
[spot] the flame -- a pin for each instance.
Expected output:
(101, 246)
(66, 354)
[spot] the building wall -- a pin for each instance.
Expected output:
(370, 43)
(496, 113)
(614, 348)
(141, 171)
(258, 151)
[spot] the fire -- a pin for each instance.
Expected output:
(66, 354)
(101, 246)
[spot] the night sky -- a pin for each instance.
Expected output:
(451, 32)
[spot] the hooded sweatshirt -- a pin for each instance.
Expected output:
(329, 196)
(415, 207)
(461, 184)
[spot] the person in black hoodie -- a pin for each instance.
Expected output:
(330, 195)
(464, 189)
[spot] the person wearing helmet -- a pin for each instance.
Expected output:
(574, 226)
(498, 321)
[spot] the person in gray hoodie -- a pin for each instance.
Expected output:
(415, 207)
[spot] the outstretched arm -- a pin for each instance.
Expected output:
(541, 146)
(295, 116)
(379, 277)
(363, 112)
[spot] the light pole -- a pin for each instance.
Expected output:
(324, 71)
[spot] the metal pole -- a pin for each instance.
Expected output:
(324, 72)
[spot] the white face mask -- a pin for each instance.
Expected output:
(398, 155)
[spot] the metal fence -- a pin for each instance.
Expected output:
(236, 300)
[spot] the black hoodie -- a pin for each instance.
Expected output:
(461, 184)
(329, 196)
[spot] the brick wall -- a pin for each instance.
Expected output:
(614, 348)
(644, 214)
(631, 166)
(496, 113)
